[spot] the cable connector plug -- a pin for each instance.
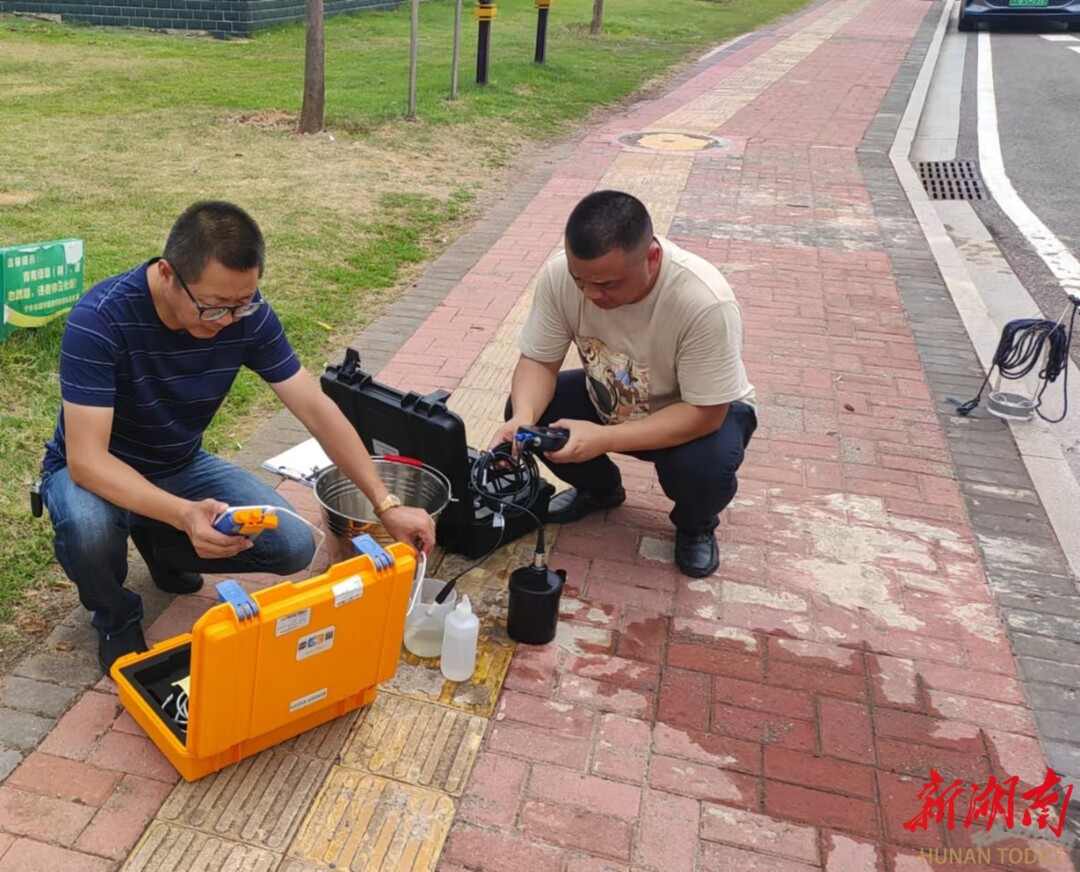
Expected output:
(540, 555)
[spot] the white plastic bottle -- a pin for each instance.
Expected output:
(460, 635)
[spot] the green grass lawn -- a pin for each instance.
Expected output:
(109, 133)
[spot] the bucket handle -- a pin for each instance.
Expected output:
(419, 464)
(418, 581)
(398, 458)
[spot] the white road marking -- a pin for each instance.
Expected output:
(1059, 37)
(1061, 262)
(1075, 48)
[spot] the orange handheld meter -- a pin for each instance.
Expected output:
(246, 520)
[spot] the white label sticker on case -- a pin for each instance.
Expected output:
(307, 700)
(315, 643)
(292, 622)
(348, 590)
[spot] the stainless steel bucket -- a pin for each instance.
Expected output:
(349, 513)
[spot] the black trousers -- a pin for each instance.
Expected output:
(698, 476)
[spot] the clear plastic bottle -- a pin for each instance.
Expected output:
(460, 634)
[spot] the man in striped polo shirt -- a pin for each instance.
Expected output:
(146, 361)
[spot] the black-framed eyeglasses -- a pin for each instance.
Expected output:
(216, 313)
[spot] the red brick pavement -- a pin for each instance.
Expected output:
(783, 714)
(83, 798)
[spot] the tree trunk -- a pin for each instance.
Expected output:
(597, 17)
(313, 111)
(414, 35)
(457, 50)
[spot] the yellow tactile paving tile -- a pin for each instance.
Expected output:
(656, 179)
(325, 742)
(420, 678)
(416, 742)
(260, 801)
(503, 355)
(169, 848)
(482, 411)
(492, 573)
(366, 823)
(484, 376)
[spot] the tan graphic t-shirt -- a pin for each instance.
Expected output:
(683, 342)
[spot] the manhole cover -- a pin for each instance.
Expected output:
(670, 140)
(951, 180)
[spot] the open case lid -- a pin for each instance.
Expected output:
(390, 421)
(259, 662)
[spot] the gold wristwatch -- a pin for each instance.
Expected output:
(388, 502)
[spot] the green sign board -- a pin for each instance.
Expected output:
(39, 282)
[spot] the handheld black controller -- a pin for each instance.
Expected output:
(541, 438)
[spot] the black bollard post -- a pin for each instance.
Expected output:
(485, 12)
(542, 7)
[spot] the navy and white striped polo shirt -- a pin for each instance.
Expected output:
(164, 386)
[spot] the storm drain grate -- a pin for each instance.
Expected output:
(951, 180)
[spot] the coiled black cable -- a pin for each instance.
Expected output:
(1022, 345)
(507, 483)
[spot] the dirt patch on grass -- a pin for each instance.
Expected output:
(299, 185)
(26, 89)
(16, 198)
(267, 119)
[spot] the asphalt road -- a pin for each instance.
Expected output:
(1037, 85)
(1038, 89)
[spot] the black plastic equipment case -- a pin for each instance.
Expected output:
(422, 427)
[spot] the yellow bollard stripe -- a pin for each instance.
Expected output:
(485, 11)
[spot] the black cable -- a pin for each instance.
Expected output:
(452, 581)
(507, 484)
(1022, 345)
(1056, 364)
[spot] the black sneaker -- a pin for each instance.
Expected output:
(113, 646)
(696, 554)
(573, 504)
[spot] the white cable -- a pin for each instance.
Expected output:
(418, 581)
(421, 564)
(315, 528)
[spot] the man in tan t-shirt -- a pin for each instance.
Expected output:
(659, 335)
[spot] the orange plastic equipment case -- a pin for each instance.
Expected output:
(268, 667)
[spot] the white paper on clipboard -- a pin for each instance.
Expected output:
(301, 463)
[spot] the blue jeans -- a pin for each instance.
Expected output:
(698, 476)
(91, 536)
